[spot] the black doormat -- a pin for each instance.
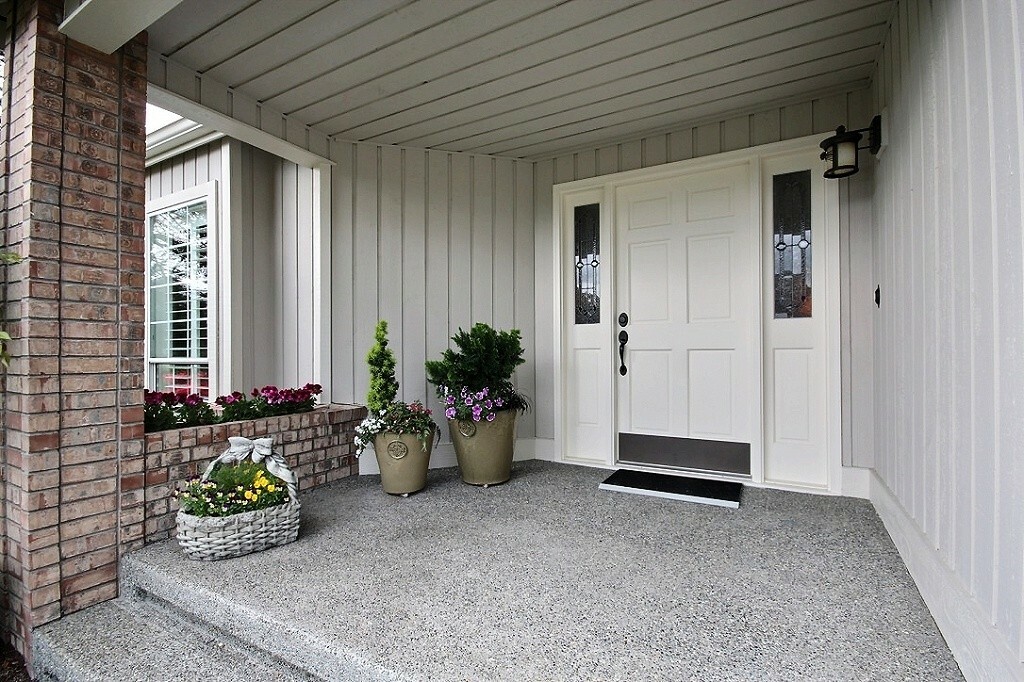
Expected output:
(718, 493)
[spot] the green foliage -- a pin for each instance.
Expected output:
(5, 356)
(383, 384)
(483, 364)
(485, 358)
(234, 489)
(398, 417)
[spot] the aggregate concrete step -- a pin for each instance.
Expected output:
(137, 640)
(304, 646)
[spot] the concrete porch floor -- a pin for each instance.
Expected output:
(548, 578)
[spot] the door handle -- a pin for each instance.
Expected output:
(623, 338)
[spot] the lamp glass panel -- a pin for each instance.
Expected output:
(846, 155)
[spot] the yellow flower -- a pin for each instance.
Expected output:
(249, 495)
(271, 488)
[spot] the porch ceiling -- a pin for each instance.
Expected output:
(525, 78)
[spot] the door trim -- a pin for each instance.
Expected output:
(602, 187)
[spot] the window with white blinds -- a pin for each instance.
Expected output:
(178, 307)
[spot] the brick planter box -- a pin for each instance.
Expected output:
(318, 446)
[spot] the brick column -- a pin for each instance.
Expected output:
(73, 144)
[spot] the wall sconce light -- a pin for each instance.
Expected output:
(840, 150)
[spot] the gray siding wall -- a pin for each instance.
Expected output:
(784, 122)
(191, 168)
(266, 222)
(275, 234)
(272, 281)
(950, 333)
(429, 241)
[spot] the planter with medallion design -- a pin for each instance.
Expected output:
(403, 460)
(484, 449)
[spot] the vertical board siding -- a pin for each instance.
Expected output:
(185, 171)
(948, 252)
(271, 287)
(431, 242)
(736, 132)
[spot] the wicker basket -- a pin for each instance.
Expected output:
(209, 538)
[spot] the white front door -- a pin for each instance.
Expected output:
(686, 310)
(729, 368)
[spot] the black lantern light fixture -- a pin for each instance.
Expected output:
(840, 151)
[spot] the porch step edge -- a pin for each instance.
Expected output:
(300, 648)
(138, 641)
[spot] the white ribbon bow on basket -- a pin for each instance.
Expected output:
(259, 450)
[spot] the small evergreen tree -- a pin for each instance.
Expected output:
(383, 384)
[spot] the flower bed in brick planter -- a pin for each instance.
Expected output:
(317, 445)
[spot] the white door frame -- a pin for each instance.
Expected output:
(603, 187)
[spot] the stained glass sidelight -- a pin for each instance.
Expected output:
(587, 237)
(791, 222)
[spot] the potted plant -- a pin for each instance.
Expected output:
(246, 500)
(474, 383)
(402, 433)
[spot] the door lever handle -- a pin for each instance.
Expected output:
(623, 338)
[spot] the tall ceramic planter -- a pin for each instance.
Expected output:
(484, 449)
(403, 462)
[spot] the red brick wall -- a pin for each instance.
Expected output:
(318, 446)
(73, 141)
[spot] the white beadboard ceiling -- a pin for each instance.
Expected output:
(523, 78)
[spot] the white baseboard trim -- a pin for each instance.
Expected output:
(535, 448)
(443, 455)
(855, 482)
(977, 647)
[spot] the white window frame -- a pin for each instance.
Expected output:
(207, 191)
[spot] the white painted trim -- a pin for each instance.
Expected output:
(183, 106)
(856, 482)
(669, 496)
(108, 24)
(169, 149)
(536, 448)
(215, 227)
(978, 647)
(833, 338)
(322, 308)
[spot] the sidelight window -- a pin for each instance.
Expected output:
(791, 220)
(587, 237)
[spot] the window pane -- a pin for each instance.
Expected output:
(188, 377)
(791, 220)
(587, 238)
(178, 276)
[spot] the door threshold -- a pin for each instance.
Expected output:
(685, 471)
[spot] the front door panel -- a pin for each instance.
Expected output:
(688, 283)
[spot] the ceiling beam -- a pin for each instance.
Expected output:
(108, 24)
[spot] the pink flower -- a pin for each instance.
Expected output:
(450, 413)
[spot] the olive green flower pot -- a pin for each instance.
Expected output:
(484, 449)
(403, 462)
